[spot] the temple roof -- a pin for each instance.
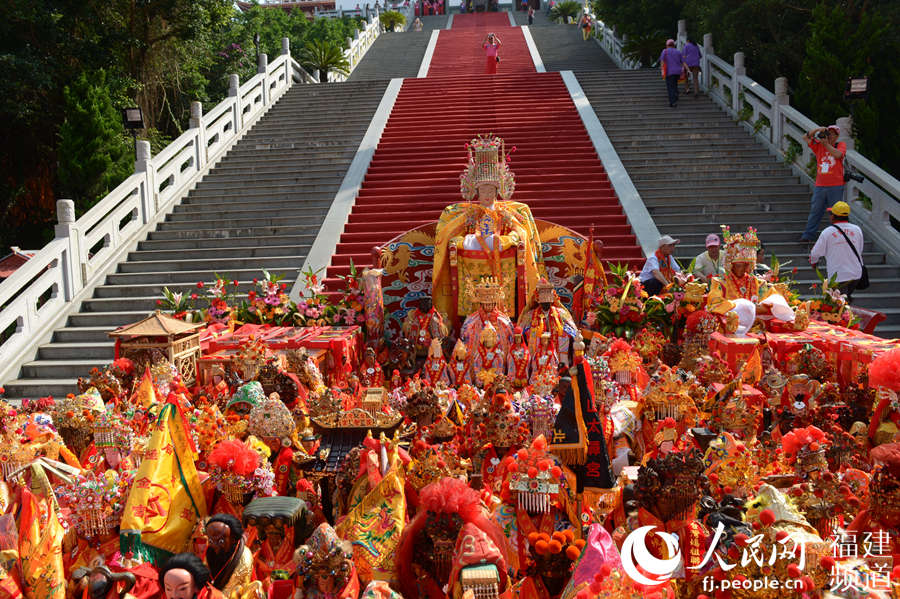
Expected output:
(157, 324)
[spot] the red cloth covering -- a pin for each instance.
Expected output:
(733, 349)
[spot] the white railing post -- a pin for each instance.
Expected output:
(71, 257)
(262, 68)
(288, 68)
(200, 135)
(781, 99)
(234, 84)
(846, 125)
(706, 78)
(143, 165)
(682, 34)
(739, 71)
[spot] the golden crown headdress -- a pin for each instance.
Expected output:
(740, 247)
(487, 164)
(272, 418)
(487, 290)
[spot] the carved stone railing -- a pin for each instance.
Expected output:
(40, 295)
(359, 45)
(769, 118)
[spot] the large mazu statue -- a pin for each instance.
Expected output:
(487, 259)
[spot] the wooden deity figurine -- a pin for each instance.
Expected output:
(518, 361)
(435, 370)
(460, 367)
(422, 324)
(485, 238)
(487, 296)
(489, 360)
(739, 295)
(545, 365)
(370, 371)
(545, 314)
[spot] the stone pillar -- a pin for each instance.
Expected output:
(781, 99)
(200, 134)
(705, 78)
(143, 165)
(739, 71)
(286, 46)
(682, 33)
(846, 136)
(234, 87)
(262, 68)
(71, 263)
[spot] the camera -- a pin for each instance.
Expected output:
(850, 174)
(822, 134)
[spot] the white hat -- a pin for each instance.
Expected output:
(668, 240)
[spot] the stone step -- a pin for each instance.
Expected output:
(110, 320)
(20, 389)
(322, 199)
(78, 350)
(212, 264)
(155, 290)
(228, 272)
(225, 189)
(280, 177)
(297, 211)
(750, 206)
(69, 369)
(193, 224)
(739, 221)
(242, 231)
(83, 334)
(712, 174)
(226, 253)
(228, 242)
(148, 304)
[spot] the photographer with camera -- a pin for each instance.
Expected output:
(829, 175)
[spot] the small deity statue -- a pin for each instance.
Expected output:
(489, 360)
(435, 370)
(475, 237)
(545, 364)
(487, 295)
(518, 362)
(460, 366)
(739, 295)
(422, 324)
(370, 371)
(546, 314)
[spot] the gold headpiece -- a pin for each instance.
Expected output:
(740, 247)
(487, 164)
(668, 396)
(488, 290)
(459, 350)
(545, 291)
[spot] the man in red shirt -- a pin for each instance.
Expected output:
(829, 175)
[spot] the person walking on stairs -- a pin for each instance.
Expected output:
(585, 26)
(672, 63)
(692, 57)
(842, 260)
(491, 47)
(829, 175)
(531, 15)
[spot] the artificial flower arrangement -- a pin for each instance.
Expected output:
(683, 296)
(269, 303)
(831, 305)
(618, 308)
(180, 304)
(350, 308)
(314, 309)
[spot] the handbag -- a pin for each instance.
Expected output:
(863, 282)
(662, 64)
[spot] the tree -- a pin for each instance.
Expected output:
(565, 11)
(94, 152)
(844, 43)
(645, 48)
(324, 56)
(390, 19)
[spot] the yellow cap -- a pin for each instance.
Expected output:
(840, 209)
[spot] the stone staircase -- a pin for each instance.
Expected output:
(259, 208)
(695, 168)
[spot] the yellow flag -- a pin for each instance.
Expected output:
(752, 371)
(145, 394)
(375, 525)
(40, 547)
(166, 500)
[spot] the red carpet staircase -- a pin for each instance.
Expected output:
(415, 171)
(459, 51)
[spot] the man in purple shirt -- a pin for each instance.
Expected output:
(692, 55)
(672, 62)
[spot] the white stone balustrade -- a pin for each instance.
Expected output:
(359, 46)
(41, 294)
